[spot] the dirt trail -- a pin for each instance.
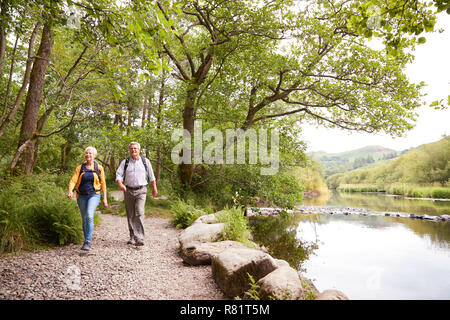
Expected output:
(111, 270)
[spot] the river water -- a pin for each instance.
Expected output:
(372, 257)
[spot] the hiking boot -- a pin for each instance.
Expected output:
(130, 242)
(139, 243)
(86, 246)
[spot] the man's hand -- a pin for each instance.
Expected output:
(155, 190)
(121, 186)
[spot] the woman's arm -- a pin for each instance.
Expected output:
(73, 182)
(103, 186)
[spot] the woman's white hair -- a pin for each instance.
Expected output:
(134, 143)
(94, 151)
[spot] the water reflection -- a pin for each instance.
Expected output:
(366, 257)
(438, 233)
(279, 235)
(378, 257)
(381, 202)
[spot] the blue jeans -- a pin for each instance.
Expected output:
(88, 204)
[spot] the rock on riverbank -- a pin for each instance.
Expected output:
(251, 211)
(232, 263)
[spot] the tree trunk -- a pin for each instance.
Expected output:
(144, 108)
(186, 169)
(25, 81)
(158, 127)
(3, 15)
(34, 100)
(65, 152)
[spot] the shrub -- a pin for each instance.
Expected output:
(34, 211)
(441, 193)
(236, 225)
(184, 213)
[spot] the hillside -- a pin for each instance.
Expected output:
(427, 164)
(348, 160)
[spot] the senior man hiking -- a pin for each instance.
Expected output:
(131, 176)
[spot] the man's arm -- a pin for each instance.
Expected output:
(119, 176)
(155, 190)
(152, 179)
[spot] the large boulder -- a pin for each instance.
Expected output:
(201, 232)
(332, 295)
(198, 253)
(281, 284)
(231, 267)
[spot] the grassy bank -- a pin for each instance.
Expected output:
(407, 190)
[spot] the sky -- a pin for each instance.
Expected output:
(431, 65)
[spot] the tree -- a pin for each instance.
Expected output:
(272, 59)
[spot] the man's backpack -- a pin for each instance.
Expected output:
(127, 160)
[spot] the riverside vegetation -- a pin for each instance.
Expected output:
(423, 172)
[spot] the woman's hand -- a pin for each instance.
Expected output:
(70, 194)
(105, 202)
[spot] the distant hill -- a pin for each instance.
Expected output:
(428, 163)
(348, 160)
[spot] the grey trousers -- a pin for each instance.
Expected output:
(135, 207)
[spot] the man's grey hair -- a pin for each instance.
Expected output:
(94, 151)
(134, 143)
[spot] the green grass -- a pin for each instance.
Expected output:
(360, 188)
(236, 226)
(416, 191)
(402, 189)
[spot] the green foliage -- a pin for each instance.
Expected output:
(427, 165)
(34, 211)
(236, 225)
(184, 213)
(359, 188)
(253, 292)
(308, 291)
(310, 177)
(416, 191)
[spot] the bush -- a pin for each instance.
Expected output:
(441, 193)
(236, 225)
(34, 211)
(184, 213)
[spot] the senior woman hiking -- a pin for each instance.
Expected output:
(88, 180)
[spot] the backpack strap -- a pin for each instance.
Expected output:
(146, 168)
(83, 169)
(127, 160)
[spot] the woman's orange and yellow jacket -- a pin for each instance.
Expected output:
(98, 184)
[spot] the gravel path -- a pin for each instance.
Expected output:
(111, 270)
